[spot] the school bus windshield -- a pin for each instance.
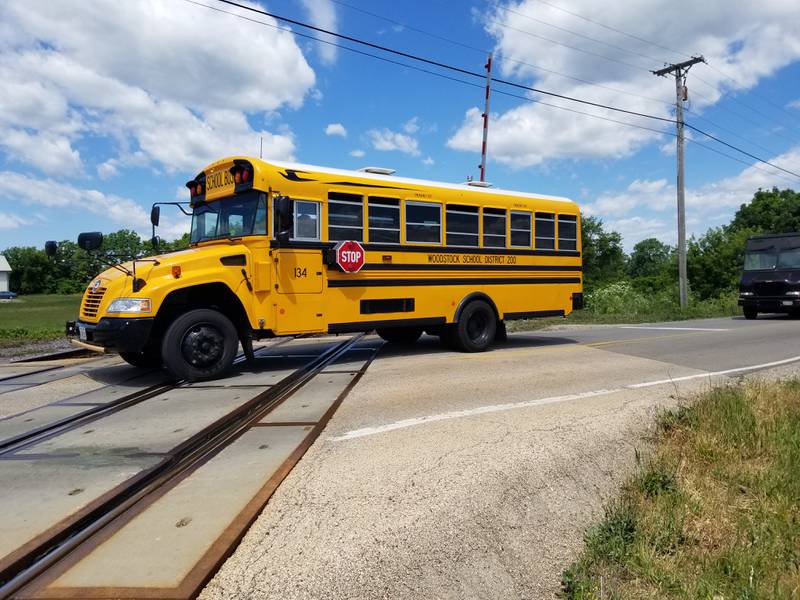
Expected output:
(237, 216)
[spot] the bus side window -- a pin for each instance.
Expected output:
(260, 219)
(423, 222)
(462, 225)
(384, 220)
(520, 229)
(306, 220)
(545, 231)
(494, 228)
(567, 232)
(345, 217)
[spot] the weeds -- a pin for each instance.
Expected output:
(715, 514)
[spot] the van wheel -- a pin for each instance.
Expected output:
(199, 345)
(475, 330)
(750, 312)
(400, 335)
(149, 359)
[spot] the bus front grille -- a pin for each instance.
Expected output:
(771, 288)
(91, 303)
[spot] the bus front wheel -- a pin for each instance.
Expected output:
(475, 330)
(200, 344)
(750, 312)
(400, 335)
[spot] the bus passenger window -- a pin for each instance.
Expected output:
(384, 220)
(520, 229)
(423, 222)
(567, 232)
(494, 228)
(545, 231)
(462, 225)
(345, 217)
(306, 220)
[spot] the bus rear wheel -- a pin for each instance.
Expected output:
(400, 335)
(200, 344)
(475, 330)
(149, 359)
(750, 312)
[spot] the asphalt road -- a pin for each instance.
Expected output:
(454, 475)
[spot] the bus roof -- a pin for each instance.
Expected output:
(421, 182)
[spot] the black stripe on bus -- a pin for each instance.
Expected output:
(369, 325)
(428, 249)
(332, 283)
(459, 267)
(535, 314)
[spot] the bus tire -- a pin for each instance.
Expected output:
(400, 335)
(750, 312)
(148, 359)
(200, 344)
(475, 330)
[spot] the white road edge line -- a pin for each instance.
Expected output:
(492, 408)
(672, 328)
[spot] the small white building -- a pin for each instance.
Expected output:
(5, 273)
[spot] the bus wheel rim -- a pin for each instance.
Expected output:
(476, 326)
(203, 345)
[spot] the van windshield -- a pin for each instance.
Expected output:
(237, 216)
(771, 259)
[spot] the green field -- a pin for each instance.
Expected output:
(37, 317)
(714, 514)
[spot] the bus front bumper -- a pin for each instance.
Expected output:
(771, 303)
(116, 334)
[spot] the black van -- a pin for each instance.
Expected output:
(771, 276)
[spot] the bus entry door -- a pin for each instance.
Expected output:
(299, 286)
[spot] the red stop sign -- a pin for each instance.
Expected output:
(350, 256)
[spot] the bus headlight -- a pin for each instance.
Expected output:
(793, 293)
(130, 305)
(745, 293)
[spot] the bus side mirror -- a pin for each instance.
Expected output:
(90, 240)
(284, 216)
(155, 215)
(50, 248)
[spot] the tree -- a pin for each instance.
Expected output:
(604, 260)
(771, 211)
(649, 258)
(31, 271)
(715, 261)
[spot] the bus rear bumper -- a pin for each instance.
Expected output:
(115, 334)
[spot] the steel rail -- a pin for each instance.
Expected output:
(22, 440)
(184, 457)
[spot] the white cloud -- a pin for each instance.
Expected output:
(336, 129)
(706, 205)
(387, 140)
(52, 194)
(752, 40)
(412, 125)
(357, 153)
(322, 14)
(428, 162)
(9, 221)
(68, 73)
(794, 104)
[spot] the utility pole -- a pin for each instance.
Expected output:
(681, 95)
(488, 67)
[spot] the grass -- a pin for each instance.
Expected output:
(36, 318)
(715, 512)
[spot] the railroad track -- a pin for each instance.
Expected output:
(28, 569)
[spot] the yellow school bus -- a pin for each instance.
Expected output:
(285, 249)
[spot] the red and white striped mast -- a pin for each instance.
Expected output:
(488, 67)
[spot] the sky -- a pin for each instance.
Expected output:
(108, 106)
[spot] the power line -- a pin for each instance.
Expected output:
(465, 72)
(739, 160)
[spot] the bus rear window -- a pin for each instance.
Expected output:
(567, 232)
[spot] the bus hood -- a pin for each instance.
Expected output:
(120, 283)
